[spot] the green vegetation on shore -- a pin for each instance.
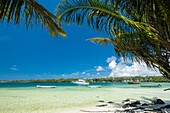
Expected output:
(111, 79)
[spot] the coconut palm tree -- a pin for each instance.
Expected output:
(138, 29)
(32, 11)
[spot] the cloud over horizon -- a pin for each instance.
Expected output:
(119, 68)
(14, 68)
(99, 68)
(114, 68)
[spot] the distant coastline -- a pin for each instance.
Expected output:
(110, 79)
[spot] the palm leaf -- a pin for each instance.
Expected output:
(32, 11)
(100, 15)
(129, 45)
(102, 41)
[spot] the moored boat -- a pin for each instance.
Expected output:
(80, 82)
(39, 86)
(133, 82)
(94, 86)
(150, 85)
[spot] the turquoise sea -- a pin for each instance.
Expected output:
(70, 98)
(68, 84)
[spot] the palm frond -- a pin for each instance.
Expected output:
(34, 13)
(151, 52)
(102, 41)
(100, 15)
(130, 45)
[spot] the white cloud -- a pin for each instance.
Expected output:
(83, 73)
(99, 68)
(75, 74)
(98, 73)
(110, 59)
(63, 75)
(129, 69)
(14, 68)
(88, 74)
(115, 68)
(112, 64)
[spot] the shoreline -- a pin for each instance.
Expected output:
(109, 79)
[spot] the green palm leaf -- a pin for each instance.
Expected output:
(100, 15)
(131, 46)
(34, 13)
(102, 41)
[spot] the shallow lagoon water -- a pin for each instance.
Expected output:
(26, 98)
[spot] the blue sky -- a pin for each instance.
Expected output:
(33, 54)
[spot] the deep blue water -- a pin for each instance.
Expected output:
(66, 84)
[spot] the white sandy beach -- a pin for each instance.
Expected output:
(70, 99)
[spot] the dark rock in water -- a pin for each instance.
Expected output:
(166, 89)
(101, 105)
(136, 102)
(101, 101)
(125, 105)
(147, 104)
(155, 106)
(110, 102)
(149, 109)
(140, 107)
(144, 104)
(131, 104)
(158, 101)
(166, 106)
(128, 110)
(157, 109)
(125, 100)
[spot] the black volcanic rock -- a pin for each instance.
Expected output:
(158, 101)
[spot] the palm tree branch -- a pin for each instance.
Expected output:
(32, 11)
(72, 9)
(102, 41)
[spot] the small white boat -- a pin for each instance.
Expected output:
(80, 82)
(94, 86)
(39, 86)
